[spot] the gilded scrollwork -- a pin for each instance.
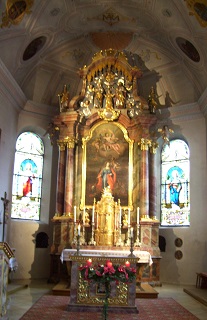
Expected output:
(144, 144)
(68, 142)
(153, 147)
(61, 144)
(88, 293)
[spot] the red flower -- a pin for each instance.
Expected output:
(109, 270)
(133, 270)
(122, 269)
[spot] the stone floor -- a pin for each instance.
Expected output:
(23, 294)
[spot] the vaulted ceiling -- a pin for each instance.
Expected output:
(43, 44)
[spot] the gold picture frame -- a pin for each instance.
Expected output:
(198, 8)
(108, 144)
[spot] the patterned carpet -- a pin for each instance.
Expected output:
(50, 307)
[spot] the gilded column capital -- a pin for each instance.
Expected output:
(70, 142)
(153, 147)
(61, 144)
(144, 144)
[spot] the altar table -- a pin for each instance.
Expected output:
(142, 256)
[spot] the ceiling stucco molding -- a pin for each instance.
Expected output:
(39, 109)
(10, 88)
(185, 112)
(203, 103)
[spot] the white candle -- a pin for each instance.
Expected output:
(79, 229)
(137, 215)
(93, 214)
(74, 213)
(132, 232)
(128, 216)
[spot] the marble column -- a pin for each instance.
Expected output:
(60, 179)
(152, 182)
(69, 176)
(144, 178)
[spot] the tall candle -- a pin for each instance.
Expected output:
(74, 213)
(79, 229)
(93, 214)
(137, 215)
(128, 216)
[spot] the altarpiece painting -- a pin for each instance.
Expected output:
(107, 162)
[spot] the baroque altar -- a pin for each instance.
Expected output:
(106, 182)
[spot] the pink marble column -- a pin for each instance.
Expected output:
(152, 182)
(69, 177)
(60, 179)
(144, 178)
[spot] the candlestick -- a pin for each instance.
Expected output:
(93, 214)
(92, 241)
(131, 248)
(77, 253)
(97, 220)
(131, 233)
(74, 213)
(84, 213)
(120, 215)
(119, 242)
(75, 234)
(128, 216)
(137, 215)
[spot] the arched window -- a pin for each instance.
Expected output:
(175, 184)
(27, 177)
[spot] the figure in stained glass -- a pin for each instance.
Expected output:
(175, 185)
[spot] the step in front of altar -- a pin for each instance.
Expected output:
(143, 290)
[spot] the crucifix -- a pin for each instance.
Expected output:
(5, 203)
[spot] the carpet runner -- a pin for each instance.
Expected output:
(50, 307)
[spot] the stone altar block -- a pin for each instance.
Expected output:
(90, 295)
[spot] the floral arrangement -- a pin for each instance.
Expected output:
(108, 272)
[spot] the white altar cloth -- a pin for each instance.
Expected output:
(142, 256)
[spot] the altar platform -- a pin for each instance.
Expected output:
(143, 290)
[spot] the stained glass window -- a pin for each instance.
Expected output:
(27, 177)
(175, 184)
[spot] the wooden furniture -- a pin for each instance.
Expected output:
(201, 280)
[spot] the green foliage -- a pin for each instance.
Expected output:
(107, 273)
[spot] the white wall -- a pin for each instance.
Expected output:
(194, 247)
(11, 101)
(35, 262)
